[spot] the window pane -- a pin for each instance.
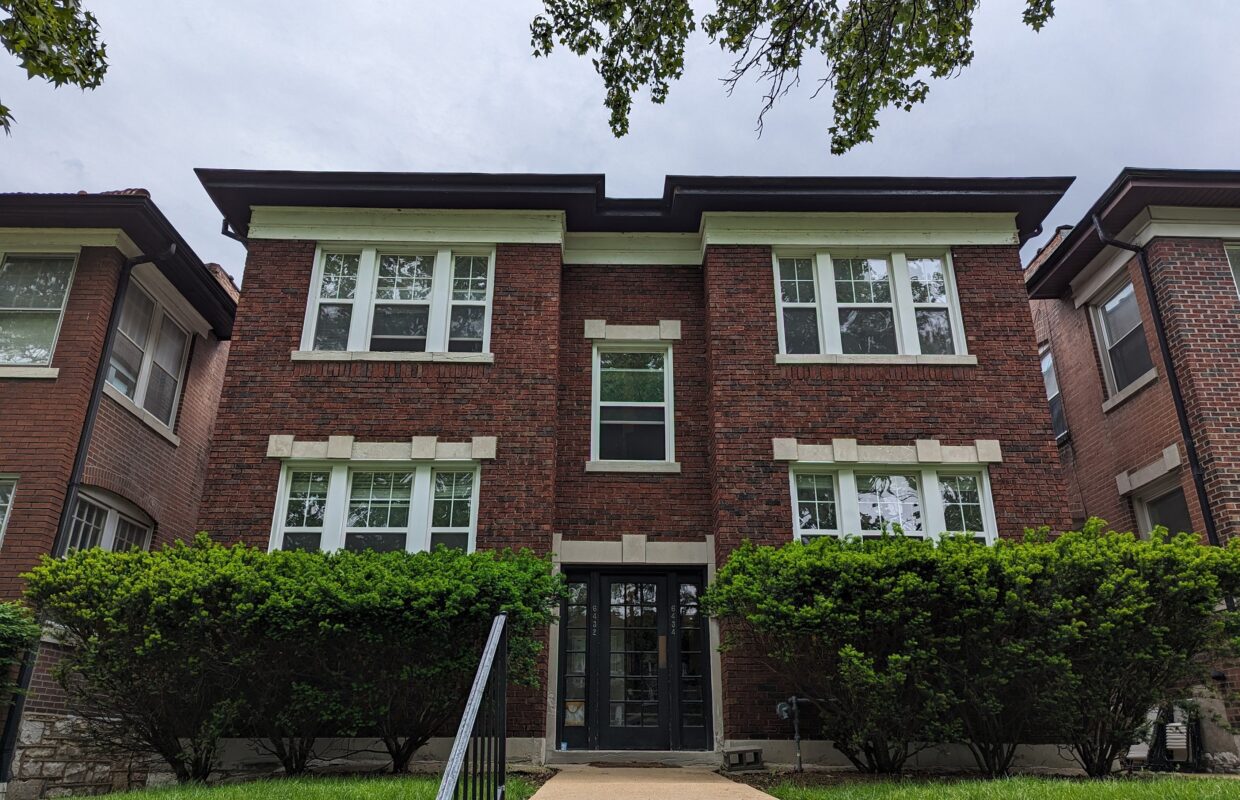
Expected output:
(801, 330)
(962, 503)
(867, 330)
(465, 329)
(379, 499)
(379, 542)
(135, 320)
(86, 529)
(1171, 511)
(469, 278)
(161, 394)
(452, 541)
(888, 500)
(454, 493)
(630, 441)
(34, 282)
(862, 280)
(124, 365)
(934, 331)
(404, 277)
(1130, 358)
(1048, 375)
(1120, 314)
(307, 499)
(7, 486)
(400, 328)
(796, 280)
(928, 280)
(129, 535)
(26, 336)
(171, 346)
(301, 540)
(631, 377)
(1059, 420)
(339, 277)
(331, 331)
(816, 503)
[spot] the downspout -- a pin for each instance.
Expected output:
(1173, 381)
(8, 740)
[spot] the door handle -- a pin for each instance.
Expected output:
(663, 651)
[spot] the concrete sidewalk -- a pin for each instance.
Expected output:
(643, 783)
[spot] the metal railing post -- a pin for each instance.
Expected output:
(480, 746)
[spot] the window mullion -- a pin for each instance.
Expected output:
(849, 509)
(905, 311)
(954, 313)
(419, 534)
(669, 420)
(779, 303)
(935, 518)
(360, 319)
(439, 314)
(486, 314)
(148, 356)
(337, 508)
(828, 308)
(108, 537)
(594, 404)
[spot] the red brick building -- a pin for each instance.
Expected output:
(635, 387)
(1141, 352)
(113, 342)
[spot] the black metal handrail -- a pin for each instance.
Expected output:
(477, 765)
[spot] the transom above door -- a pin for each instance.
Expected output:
(634, 656)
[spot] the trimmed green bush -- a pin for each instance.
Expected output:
(18, 632)
(178, 647)
(899, 643)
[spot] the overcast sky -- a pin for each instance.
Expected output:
(419, 85)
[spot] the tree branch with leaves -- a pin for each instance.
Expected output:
(871, 54)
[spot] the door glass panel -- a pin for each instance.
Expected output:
(692, 701)
(633, 689)
(576, 614)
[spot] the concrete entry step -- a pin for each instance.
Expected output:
(636, 758)
(643, 783)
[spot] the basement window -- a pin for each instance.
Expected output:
(923, 502)
(400, 300)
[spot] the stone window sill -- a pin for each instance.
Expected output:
(634, 466)
(148, 419)
(875, 360)
(366, 355)
(1128, 391)
(30, 373)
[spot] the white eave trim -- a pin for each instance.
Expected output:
(858, 229)
(423, 226)
(622, 249)
(346, 448)
(52, 240)
(923, 451)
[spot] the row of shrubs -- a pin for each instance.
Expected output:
(174, 649)
(899, 644)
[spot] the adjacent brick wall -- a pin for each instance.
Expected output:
(752, 400)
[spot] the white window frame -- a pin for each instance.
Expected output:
(74, 254)
(903, 307)
(1045, 352)
(1098, 319)
(154, 331)
(117, 508)
(8, 510)
(669, 419)
(847, 504)
(1233, 258)
(440, 302)
(418, 532)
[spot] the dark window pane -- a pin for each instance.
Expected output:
(1130, 358)
(867, 330)
(1171, 511)
(379, 542)
(399, 328)
(631, 442)
(1059, 421)
(801, 330)
(331, 332)
(301, 541)
(452, 541)
(465, 329)
(934, 331)
(1121, 314)
(631, 414)
(161, 393)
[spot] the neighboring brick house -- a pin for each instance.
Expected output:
(1129, 456)
(634, 387)
(99, 446)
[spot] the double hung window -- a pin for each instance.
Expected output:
(1059, 420)
(149, 351)
(633, 404)
(892, 303)
(34, 290)
(1121, 335)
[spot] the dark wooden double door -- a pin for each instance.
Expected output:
(634, 662)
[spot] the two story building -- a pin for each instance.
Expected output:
(113, 344)
(1137, 313)
(634, 387)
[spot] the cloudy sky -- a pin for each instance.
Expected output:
(416, 85)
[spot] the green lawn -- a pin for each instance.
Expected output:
(413, 787)
(1169, 788)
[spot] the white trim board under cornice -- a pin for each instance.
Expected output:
(42, 240)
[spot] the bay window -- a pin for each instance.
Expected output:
(866, 501)
(400, 300)
(358, 506)
(34, 290)
(879, 304)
